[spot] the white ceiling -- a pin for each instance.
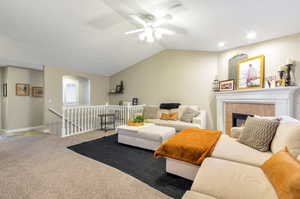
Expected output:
(89, 35)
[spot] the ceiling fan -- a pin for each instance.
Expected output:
(151, 30)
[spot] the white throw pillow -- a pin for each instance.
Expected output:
(287, 135)
(182, 108)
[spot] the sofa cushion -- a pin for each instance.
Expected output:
(169, 106)
(228, 148)
(283, 171)
(151, 112)
(258, 133)
(196, 195)
(182, 108)
(156, 133)
(287, 135)
(169, 116)
(231, 180)
(189, 114)
(164, 116)
(178, 125)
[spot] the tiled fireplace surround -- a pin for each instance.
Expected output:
(263, 102)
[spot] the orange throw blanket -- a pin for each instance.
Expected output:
(190, 145)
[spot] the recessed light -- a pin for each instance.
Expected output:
(221, 44)
(251, 35)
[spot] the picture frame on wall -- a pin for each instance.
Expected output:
(250, 73)
(4, 90)
(37, 92)
(22, 89)
(226, 85)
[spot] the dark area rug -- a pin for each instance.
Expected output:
(136, 162)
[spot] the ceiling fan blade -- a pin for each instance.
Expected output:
(134, 31)
(165, 31)
(177, 29)
(139, 20)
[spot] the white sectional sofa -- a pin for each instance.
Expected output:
(233, 172)
(198, 122)
(222, 179)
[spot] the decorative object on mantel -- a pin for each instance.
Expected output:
(118, 90)
(233, 65)
(251, 73)
(287, 73)
(291, 68)
(280, 83)
(270, 81)
(282, 74)
(215, 84)
(137, 121)
(227, 85)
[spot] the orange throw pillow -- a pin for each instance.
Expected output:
(173, 116)
(170, 116)
(283, 171)
(164, 116)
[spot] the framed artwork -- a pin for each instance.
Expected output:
(37, 91)
(251, 73)
(226, 85)
(22, 89)
(135, 101)
(4, 90)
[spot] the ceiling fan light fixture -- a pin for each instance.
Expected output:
(142, 36)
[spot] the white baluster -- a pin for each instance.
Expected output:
(63, 130)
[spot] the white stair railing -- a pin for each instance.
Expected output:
(82, 119)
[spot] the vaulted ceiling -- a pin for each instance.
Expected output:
(88, 35)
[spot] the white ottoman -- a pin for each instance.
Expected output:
(148, 136)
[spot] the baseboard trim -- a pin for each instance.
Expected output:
(22, 129)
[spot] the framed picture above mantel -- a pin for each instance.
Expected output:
(250, 73)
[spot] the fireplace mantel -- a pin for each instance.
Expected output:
(282, 98)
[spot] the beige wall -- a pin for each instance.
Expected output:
(171, 76)
(276, 53)
(21, 111)
(3, 71)
(54, 94)
(186, 76)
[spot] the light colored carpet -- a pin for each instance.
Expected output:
(41, 167)
(25, 133)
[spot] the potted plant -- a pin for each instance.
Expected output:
(137, 121)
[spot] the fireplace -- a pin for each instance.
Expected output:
(263, 102)
(239, 119)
